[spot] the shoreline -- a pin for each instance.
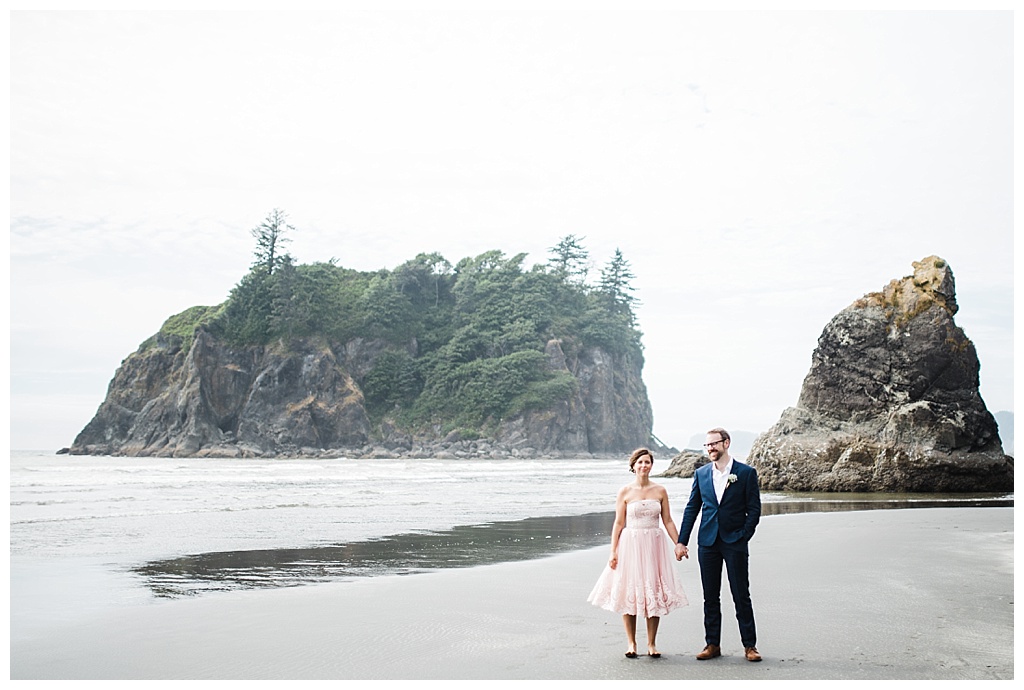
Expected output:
(462, 546)
(485, 449)
(904, 594)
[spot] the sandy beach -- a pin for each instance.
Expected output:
(883, 594)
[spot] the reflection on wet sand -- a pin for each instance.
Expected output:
(465, 546)
(401, 554)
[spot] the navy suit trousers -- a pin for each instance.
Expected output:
(735, 557)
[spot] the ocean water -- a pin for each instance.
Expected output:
(89, 533)
(132, 509)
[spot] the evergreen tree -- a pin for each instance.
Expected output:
(461, 344)
(569, 259)
(246, 316)
(270, 238)
(615, 286)
(289, 306)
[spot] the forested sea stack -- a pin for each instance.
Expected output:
(891, 402)
(484, 358)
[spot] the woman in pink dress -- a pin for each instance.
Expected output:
(640, 579)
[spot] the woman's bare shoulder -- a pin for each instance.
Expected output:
(660, 490)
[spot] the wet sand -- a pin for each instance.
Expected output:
(882, 594)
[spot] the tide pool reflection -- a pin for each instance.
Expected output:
(465, 546)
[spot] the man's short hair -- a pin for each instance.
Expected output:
(721, 432)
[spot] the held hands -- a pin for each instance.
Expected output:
(682, 552)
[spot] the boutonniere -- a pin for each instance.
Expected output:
(730, 479)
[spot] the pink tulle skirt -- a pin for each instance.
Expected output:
(644, 583)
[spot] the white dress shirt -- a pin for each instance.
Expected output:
(720, 479)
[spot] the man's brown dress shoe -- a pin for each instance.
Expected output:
(752, 655)
(710, 652)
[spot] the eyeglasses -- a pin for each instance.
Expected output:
(711, 445)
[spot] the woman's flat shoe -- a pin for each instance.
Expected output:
(630, 655)
(656, 655)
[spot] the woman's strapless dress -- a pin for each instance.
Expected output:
(644, 583)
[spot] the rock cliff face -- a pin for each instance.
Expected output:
(218, 400)
(891, 402)
(609, 411)
(302, 398)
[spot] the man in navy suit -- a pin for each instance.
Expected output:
(726, 493)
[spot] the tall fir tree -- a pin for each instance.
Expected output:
(270, 238)
(616, 287)
(570, 260)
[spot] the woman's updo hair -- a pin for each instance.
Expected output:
(637, 454)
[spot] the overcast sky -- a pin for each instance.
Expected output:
(760, 171)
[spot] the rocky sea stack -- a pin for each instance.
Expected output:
(480, 359)
(891, 402)
(302, 398)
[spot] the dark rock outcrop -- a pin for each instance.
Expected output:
(302, 398)
(685, 464)
(891, 402)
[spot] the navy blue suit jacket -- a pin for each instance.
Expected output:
(734, 519)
